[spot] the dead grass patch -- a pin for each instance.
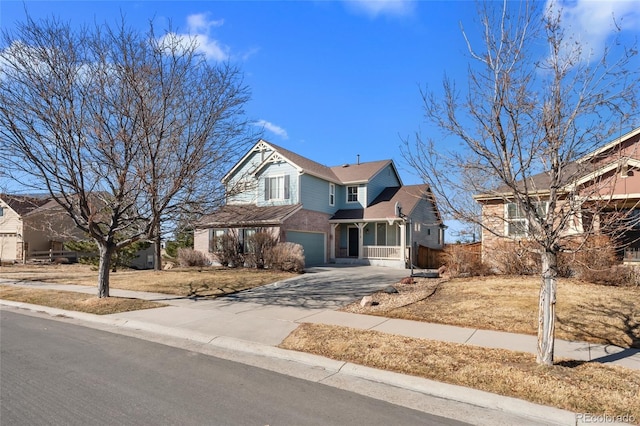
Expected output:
(178, 281)
(580, 387)
(71, 301)
(585, 312)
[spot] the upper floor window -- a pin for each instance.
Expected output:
(517, 223)
(276, 188)
(1, 211)
(332, 194)
(352, 194)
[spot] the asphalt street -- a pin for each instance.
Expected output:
(56, 373)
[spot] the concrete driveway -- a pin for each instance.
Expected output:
(326, 287)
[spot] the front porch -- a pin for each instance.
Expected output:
(370, 243)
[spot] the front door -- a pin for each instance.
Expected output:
(353, 242)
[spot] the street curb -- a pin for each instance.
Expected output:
(478, 398)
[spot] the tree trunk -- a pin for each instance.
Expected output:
(104, 268)
(547, 308)
(157, 250)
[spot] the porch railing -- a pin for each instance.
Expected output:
(632, 255)
(381, 252)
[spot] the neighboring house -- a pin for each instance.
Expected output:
(32, 227)
(32, 224)
(342, 214)
(608, 176)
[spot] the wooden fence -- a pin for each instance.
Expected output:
(429, 258)
(52, 255)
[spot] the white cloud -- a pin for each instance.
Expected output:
(275, 129)
(374, 8)
(591, 23)
(199, 23)
(199, 28)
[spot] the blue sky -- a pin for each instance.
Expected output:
(330, 79)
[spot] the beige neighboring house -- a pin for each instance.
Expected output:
(31, 225)
(609, 176)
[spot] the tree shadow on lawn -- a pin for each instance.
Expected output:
(589, 324)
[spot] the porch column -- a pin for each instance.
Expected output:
(332, 241)
(403, 241)
(360, 238)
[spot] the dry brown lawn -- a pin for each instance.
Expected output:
(178, 281)
(585, 312)
(72, 301)
(582, 387)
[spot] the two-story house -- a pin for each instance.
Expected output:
(353, 213)
(602, 185)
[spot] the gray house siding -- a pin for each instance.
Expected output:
(341, 199)
(425, 225)
(386, 178)
(275, 170)
(316, 194)
(240, 193)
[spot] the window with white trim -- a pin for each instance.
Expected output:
(517, 223)
(352, 194)
(332, 194)
(276, 188)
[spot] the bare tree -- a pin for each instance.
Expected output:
(83, 111)
(535, 103)
(192, 126)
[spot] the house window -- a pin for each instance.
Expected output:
(276, 188)
(1, 211)
(352, 194)
(247, 240)
(332, 194)
(216, 240)
(517, 223)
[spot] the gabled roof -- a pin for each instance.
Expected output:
(384, 205)
(575, 173)
(345, 174)
(308, 166)
(23, 204)
(610, 145)
(361, 172)
(237, 215)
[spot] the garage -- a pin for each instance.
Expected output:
(313, 244)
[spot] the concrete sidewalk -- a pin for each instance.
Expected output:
(269, 324)
(238, 327)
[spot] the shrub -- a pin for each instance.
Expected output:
(260, 244)
(190, 257)
(229, 251)
(515, 258)
(88, 253)
(184, 239)
(588, 259)
(618, 275)
(596, 255)
(288, 257)
(461, 259)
